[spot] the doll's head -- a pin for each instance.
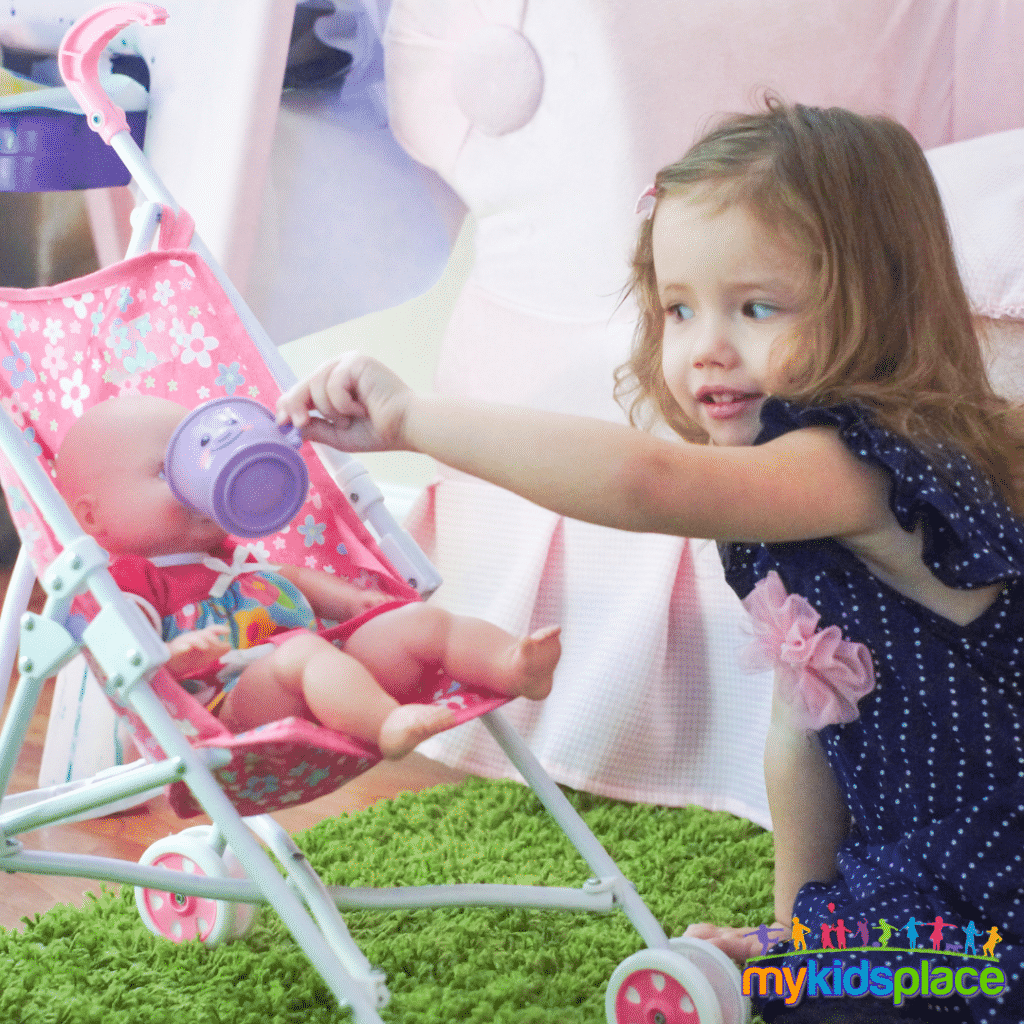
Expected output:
(110, 472)
(883, 316)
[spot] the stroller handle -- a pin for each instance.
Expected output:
(78, 60)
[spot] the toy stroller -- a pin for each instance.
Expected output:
(167, 321)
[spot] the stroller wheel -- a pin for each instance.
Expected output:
(660, 986)
(721, 972)
(245, 913)
(176, 916)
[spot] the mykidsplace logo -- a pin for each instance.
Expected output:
(940, 972)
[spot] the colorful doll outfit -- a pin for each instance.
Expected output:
(932, 769)
(233, 588)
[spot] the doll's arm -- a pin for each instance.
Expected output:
(330, 596)
(196, 650)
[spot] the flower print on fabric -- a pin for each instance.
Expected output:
(818, 674)
(19, 365)
(53, 362)
(78, 304)
(195, 343)
(75, 392)
(312, 531)
(230, 377)
(16, 323)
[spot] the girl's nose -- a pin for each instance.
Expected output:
(712, 345)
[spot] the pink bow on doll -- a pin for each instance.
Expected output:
(819, 675)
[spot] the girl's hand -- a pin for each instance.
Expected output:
(363, 405)
(739, 944)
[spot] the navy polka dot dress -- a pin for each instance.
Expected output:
(933, 769)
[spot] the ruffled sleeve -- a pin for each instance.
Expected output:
(971, 538)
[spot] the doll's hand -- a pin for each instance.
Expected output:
(739, 944)
(363, 405)
(358, 600)
(192, 652)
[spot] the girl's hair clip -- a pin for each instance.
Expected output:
(645, 204)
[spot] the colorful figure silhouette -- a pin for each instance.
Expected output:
(937, 925)
(864, 933)
(841, 932)
(911, 929)
(763, 933)
(989, 949)
(826, 936)
(886, 929)
(800, 933)
(971, 932)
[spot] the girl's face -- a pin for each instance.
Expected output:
(729, 290)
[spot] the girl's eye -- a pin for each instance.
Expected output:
(759, 310)
(680, 312)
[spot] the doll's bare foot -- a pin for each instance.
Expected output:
(533, 664)
(409, 725)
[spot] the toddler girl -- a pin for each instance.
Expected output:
(804, 330)
(209, 603)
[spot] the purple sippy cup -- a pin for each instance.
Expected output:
(230, 461)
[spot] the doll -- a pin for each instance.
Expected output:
(244, 632)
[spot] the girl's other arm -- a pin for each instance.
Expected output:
(809, 822)
(805, 484)
(809, 817)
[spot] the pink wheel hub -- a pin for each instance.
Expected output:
(181, 918)
(650, 996)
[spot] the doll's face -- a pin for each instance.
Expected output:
(110, 470)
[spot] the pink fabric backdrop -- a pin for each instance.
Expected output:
(548, 119)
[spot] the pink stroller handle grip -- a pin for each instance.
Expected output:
(79, 60)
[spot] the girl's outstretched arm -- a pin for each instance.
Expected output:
(802, 485)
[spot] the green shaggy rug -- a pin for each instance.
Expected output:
(99, 965)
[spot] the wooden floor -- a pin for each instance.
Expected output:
(127, 835)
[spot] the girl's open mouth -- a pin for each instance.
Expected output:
(723, 405)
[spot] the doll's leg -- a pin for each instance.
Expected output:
(397, 646)
(310, 678)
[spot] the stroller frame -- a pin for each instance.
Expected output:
(127, 650)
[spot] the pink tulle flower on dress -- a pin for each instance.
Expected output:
(819, 675)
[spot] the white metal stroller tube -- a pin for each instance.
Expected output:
(19, 590)
(257, 863)
(576, 829)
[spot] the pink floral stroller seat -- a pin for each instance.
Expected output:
(160, 324)
(167, 322)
